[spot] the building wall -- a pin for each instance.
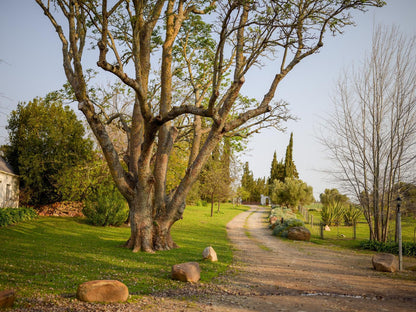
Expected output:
(9, 190)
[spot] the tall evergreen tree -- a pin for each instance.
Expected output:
(289, 166)
(276, 170)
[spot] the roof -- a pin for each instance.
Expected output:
(5, 167)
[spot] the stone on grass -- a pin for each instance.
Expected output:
(385, 262)
(327, 228)
(7, 298)
(210, 254)
(103, 291)
(186, 272)
(299, 233)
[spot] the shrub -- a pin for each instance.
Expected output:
(351, 215)
(408, 248)
(282, 212)
(332, 212)
(14, 215)
(106, 206)
(281, 229)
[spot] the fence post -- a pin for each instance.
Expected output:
(312, 222)
(355, 230)
(322, 231)
(399, 232)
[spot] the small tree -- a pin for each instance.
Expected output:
(352, 214)
(292, 193)
(333, 206)
(106, 206)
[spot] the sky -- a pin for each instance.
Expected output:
(31, 66)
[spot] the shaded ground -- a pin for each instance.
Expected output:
(274, 275)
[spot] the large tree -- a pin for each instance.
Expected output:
(46, 141)
(200, 73)
(373, 128)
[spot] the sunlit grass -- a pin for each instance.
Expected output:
(343, 236)
(52, 255)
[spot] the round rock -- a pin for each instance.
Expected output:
(103, 291)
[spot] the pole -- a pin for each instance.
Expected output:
(399, 233)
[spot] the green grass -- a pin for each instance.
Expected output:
(52, 255)
(343, 235)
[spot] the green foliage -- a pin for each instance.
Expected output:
(15, 215)
(330, 195)
(247, 183)
(282, 212)
(277, 170)
(334, 208)
(282, 229)
(351, 214)
(215, 178)
(332, 213)
(37, 263)
(291, 193)
(106, 206)
(77, 182)
(408, 248)
(251, 190)
(289, 167)
(45, 139)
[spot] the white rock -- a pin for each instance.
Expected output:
(210, 254)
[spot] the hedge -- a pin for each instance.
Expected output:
(408, 248)
(14, 215)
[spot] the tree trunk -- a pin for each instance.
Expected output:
(149, 233)
(212, 204)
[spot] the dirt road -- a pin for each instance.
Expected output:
(277, 275)
(270, 274)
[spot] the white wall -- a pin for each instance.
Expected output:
(9, 190)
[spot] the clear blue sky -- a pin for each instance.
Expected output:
(31, 66)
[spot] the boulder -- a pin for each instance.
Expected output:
(385, 262)
(7, 298)
(273, 219)
(103, 291)
(327, 228)
(299, 233)
(210, 254)
(186, 272)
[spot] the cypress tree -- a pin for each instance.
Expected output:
(289, 166)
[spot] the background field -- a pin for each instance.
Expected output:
(343, 235)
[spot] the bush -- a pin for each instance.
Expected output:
(332, 212)
(409, 249)
(282, 212)
(351, 215)
(282, 229)
(14, 215)
(106, 206)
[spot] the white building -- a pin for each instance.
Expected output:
(265, 200)
(9, 186)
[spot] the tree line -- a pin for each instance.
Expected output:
(283, 186)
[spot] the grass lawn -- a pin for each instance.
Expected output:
(52, 255)
(343, 235)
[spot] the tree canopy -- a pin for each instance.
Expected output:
(46, 139)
